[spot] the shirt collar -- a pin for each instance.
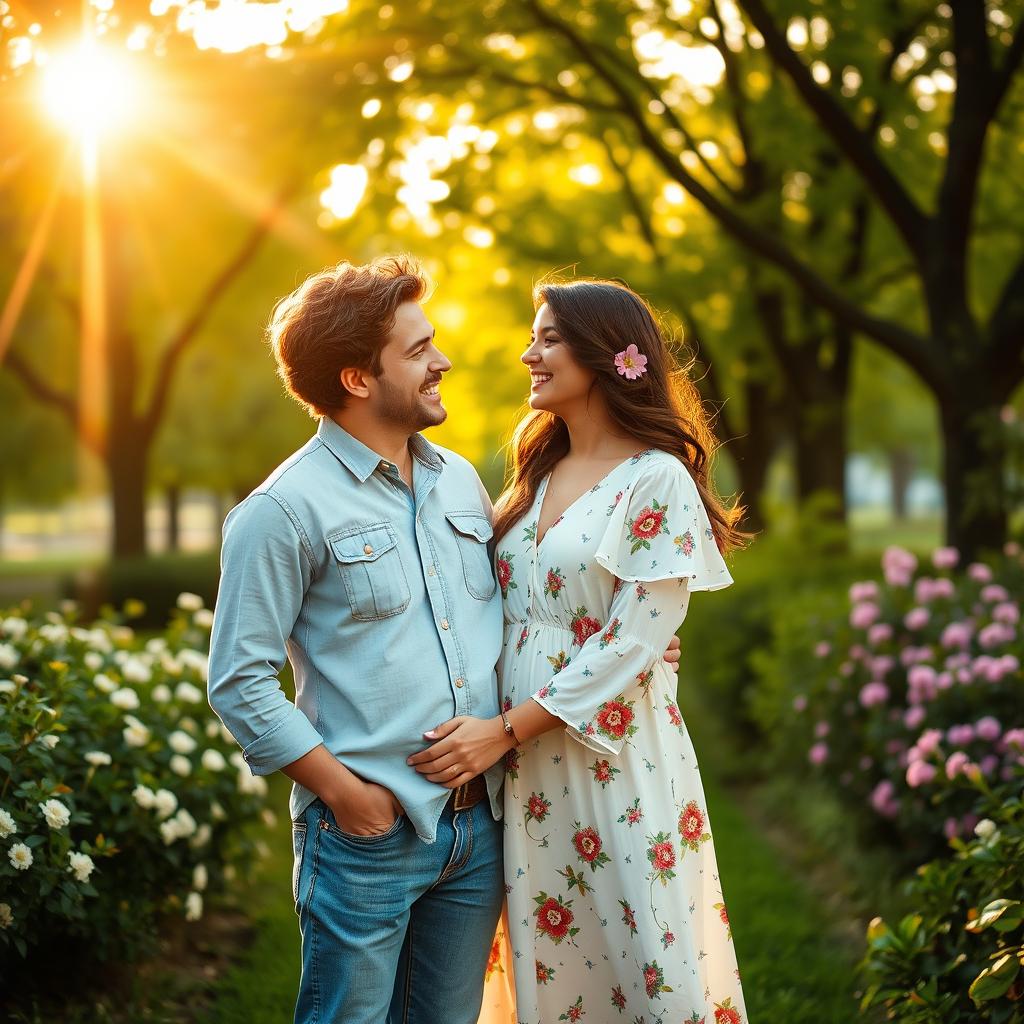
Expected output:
(362, 461)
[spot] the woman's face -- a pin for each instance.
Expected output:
(557, 381)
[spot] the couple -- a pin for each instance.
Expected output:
(372, 561)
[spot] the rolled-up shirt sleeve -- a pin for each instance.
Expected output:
(265, 572)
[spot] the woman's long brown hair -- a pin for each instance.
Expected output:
(662, 409)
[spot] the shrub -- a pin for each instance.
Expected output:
(956, 958)
(121, 796)
(915, 684)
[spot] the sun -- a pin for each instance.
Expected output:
(91, 90)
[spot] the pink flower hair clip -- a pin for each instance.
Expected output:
(630, 363)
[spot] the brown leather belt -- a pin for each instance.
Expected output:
(469, 794)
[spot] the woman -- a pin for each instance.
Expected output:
(609, 525)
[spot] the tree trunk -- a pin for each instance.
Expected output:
(172, 496)
(974, 457)
(126, 465)
(753, 452)
(901, 473)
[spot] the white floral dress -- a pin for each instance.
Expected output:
(614, 902)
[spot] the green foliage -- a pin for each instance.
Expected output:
(956, 960)
(122, 797)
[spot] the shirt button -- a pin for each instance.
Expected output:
(460, 682)
(444, 623)
(368, 549)
(431, 571)
(385, 465)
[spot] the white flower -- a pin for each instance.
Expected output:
(157, 645)
(104, 683)
(7, 824)
(92, 661)
(135, 670)
(81, 864)
(161, 694)
(188, 694)
(98, 757)
(251, 785)
(146, 798)
(212, 728)
(50, 740)
(135, 733)
(189, 602)
(236, 758)
(14, 627)
(188, 724)
(181, 765)
(171, 666)
(181, 826)
(203, 618)
(217, 812)
(199, 877)
(985, 829)
(20, 857)
(165, 802)
(122, 634)
(269, 817)
(54, 633)
(169, 831)
(202, 836)
(193, 906)
(8, 656)
(7, 686)
(213, 761)
(125, 698)
(6, 917)
(55, 813)
(180, 742)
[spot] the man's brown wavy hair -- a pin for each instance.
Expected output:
(661, 409)
(339, 318)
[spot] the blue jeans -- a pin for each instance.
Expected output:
(394, 929)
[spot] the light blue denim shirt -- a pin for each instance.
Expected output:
(384, 601)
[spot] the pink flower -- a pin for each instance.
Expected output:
(914, 716)
(799, 703)
(818, 754)
(989, 764)
(898, 566)
(919, 773)
(951, 828)
(988, 728)
(944, 680)
(959, 735)
(955, 764)
(822, 649)
(863, 615)
(821, 730)
(994, 634)
(864, 591)
(916, 618)
(943, 587)
(873, 693)
(979, 572)
(1013, 738)
(630, 363)
(928, 742)
(1007, 613)
(994, 593)
(881, 665)
(1011, 549)
(883, 799)
(879, 633)
(945, 558)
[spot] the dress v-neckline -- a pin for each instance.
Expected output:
(543, 490)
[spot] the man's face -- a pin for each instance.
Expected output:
(407, 391)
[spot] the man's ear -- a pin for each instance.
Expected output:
(354, 382)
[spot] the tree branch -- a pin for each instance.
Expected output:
(906, 344)
(908, 219)
(1006, 329)
(634, 201)
(41, 390)
(204, 307)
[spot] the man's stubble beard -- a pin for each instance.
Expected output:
(409, 414)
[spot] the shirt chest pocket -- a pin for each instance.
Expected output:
(472, 532)
(372, 571)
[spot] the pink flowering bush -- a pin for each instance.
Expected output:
(122, 799)
(910, 691)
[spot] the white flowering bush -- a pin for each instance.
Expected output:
(908, 694)
(122, 798)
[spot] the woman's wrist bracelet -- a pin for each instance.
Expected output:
(507, 726)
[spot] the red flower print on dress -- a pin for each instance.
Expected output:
(641, 593)
(614, 504)
(604, 772)
(628, 916)
(554, 582)
(726, 1013)
(691, 826)
(611, 633)
(615, 719)
(583, 626)
(654, 980)
(644, 680)
(506, 704)
(662, 857)
(589, 846)
(675, 717)
(574, 1012)
(646, 526)
(695, 1018)
(522, 638)
(723, 914)
(544, 973)
(554, 918)
(632, 815)
(618, 999)
(503, 567)
(512, 763)
(667, 939)
(684, 544)
(537, 808)
(494, 958)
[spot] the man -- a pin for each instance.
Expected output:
(363, 560)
